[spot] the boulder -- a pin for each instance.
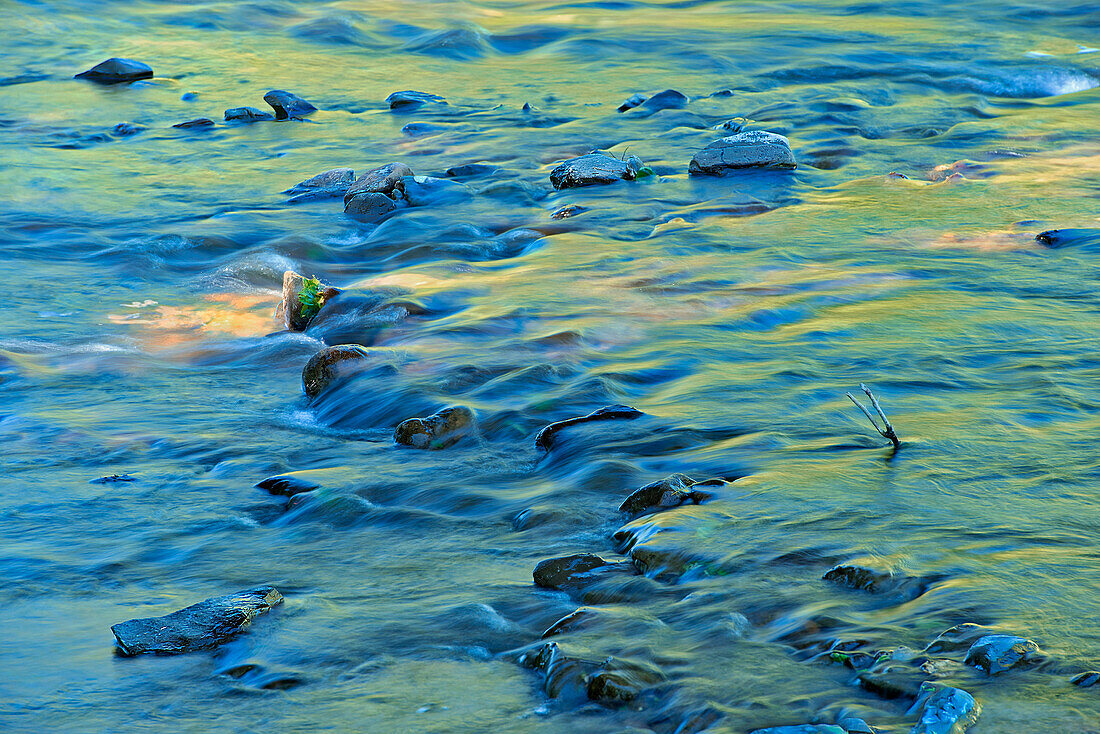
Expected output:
(593, 169)
(752, 149)
(672, 491)
(198, 122)
(944, 710)
(544, 439)
(368, 207)
(410, 99)
(381, 180)
(996, 654)
(246, 114)
(570, 571)
(288, 104)
(199, 626)
(437, 431)
(117, 71)
(331, 184)
(330, 364)
(302, 299)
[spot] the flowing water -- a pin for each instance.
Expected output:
(141, 274)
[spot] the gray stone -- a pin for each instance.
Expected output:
(117, 71)
(199, 626)
(331, 364)
(591, 170)
(437, 431)
(384, 179)
(752, 149)
(331, 184)
(944, 710)
(368, 207)
(246, 114)
(288, 104)
(996, 654)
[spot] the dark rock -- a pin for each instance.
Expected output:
(801, 729)
(381, 180)
(669, 99)
(124, 129)
(566, 675)
(570, 210)
(111, 479)
(116, 71)
(867, 575)
(199, 626)
(631, 102)
(733, 126)
(1087, 679)
(410, 99)
(1056, 238)
(569, 571)
(944, 710)
(246, 114)
(287, 485)
(189, 96)
(288, 104)
(611, 687)
(437, 431)
(892, 683)
(996, 654)
(471, 170)
(198, 122)
(428, 191)
(592, 169)
(959, 637)
(295, 314)
(331, 184)
(367, 207)
(672, 491)
(545, 437)
(752, 149)
(330, 364)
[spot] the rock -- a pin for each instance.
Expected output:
(112, 478)
(996, 654)
(571, 622)
(566, 675)
(410, 99)
(125, 129)
(295, 313)
(802, 729)
(381, 180)
(867, 575)
(592, 169)
(735, 125)
(669, 99)
(470, 170)
(1055, 238)
(892, 683)
(117, 71)
(199, 626)
(426, 191)
(288, 104)
(672, 491)
(437, 431)
(752, 149)
(330, 364)
(569, 571)
(631, 102)
(331, 184)
(944, 710)
(611, 687)
(246, 114)
(959, 637)
(419, 129)
(570, 210)
(287, 486)
(1087, 679)
(545, 437)
(369, 207)
(855, 725)
(198, 122)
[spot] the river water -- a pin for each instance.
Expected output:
(138, 339)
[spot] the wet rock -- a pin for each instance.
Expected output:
(672, 491)
(571, 622)
(571, 210)
(570, 571)
(199, 626)
(892, 684)
(302, 299)
(944, 710)
(1087, 679)
(868, 575)
(384, 179)
(196, 123)
(246, 114)
(631, 102)
(287, 485)
(1056, 238)
(331, 184)
(126, 129)
(996, 654)
(611, 687)
(260, 677)
(669, 99)
(419, 129)
(112, 478)
(410, 99)
(117, 71)
(855, 725)
(471, 170)
(593, 169)
(288, 104)
(566, 675)
(331, 364)
(428, 191)
(959, 637)
(752, 149)
(369, 207)
(545, 438)
(802, 729)
(437, 431)
(732, 126)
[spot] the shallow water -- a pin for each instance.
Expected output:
(142, 272)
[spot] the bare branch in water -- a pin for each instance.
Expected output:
(888, 430)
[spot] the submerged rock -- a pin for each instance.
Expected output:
(959, 637)
(996, 654)
(944, 710)
(426, 191)
(569, 571)
(672, 491)
(752, 149)
(1087, 679)
(437, 431)
(411, 99)
(631, 102)
(545, 437)
(801, 729)
(287, 485)
(592, 169)
(384, 179)
(287, 104)
(470, 170)
(125, 129)
(302, 299)
(570, 210)
(868, 575)
(368, 207)
(669, 99)
(117, 71)
(612, 687)
(331, 184)
(566, 675)
(330, 364)
(198, 122)
(246, 114)
(199, 626)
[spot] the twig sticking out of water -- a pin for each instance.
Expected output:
(888, 431)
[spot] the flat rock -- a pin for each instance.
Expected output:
(247, 114)
(437, 431)
(198, 122)
(593, 169)
(672, 491)
(331, 364)
(331, 184)
(197, 627)
(297, 310)
(385, 179)
(545, 438)
(996, 654)
(559, 573)
(944, 710)
(368, 207)
(117, 71)
(752, 149)
(287, 104)
(410, 99)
